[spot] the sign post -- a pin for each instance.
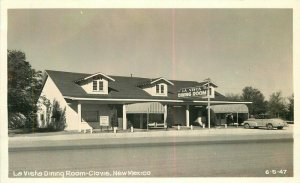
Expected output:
(104, 121)
(208, 103)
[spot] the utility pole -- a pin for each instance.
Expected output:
(208, 102)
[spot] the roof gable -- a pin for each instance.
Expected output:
(150, 82)
(95, 75)
(211, 83)
(161, 78)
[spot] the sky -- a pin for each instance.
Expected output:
(234, 47)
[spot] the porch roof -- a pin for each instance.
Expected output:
(231, 108)
(148, 107)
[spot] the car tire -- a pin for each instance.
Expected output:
(279, 128)
(246, 125)
(269, 126)
(256, 127)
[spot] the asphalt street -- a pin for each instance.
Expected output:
(239, 159)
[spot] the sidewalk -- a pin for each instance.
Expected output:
(126, 139)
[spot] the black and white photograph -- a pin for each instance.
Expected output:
(111, 93)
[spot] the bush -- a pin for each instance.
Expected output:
(57, 122)
(16, 120)
(114, 119)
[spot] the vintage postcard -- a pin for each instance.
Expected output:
(96, 91)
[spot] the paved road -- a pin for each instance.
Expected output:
(195, 160)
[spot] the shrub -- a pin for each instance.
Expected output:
(114, 119)
(16, 120)
(57, 121)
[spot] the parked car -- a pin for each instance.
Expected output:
(268, 123)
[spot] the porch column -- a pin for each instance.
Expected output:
(124, 117)
(141, 121)
(79, 116)
(165, 114)
(187, 115)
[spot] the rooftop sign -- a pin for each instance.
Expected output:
(197, 91)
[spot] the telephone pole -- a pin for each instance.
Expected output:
(208, 102)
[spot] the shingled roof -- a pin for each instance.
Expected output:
(122, 88)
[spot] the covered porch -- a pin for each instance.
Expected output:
(234, 114)
(141, 114)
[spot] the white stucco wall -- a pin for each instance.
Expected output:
(88, 86)
(71, 116)
(152, 90)
(51, 92)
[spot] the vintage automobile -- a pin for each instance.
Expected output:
(268, 123)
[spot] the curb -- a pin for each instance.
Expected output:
(157, 134)
(148, 144)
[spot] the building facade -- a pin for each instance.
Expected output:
(95, 99)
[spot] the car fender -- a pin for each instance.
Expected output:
(276, 122)
(251, 123)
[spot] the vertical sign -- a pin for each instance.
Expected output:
(104, 121)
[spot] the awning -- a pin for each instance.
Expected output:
(149, 107)
(230, 108)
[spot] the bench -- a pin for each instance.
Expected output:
(156, 125)
(85, 126)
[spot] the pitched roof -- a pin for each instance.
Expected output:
(122, 88)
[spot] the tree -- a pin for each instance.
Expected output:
(58, 117)
(276, 105)
(259, 105)
(233, 97)
(114, 118)
(24, 86)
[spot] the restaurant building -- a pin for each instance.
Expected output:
(99, 100)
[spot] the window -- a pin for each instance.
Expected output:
(157, 88)
(162, 89)
(100, 85)
(42, 117)
(209, 91)
(94, 85)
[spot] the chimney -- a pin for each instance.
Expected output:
(130, 75)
